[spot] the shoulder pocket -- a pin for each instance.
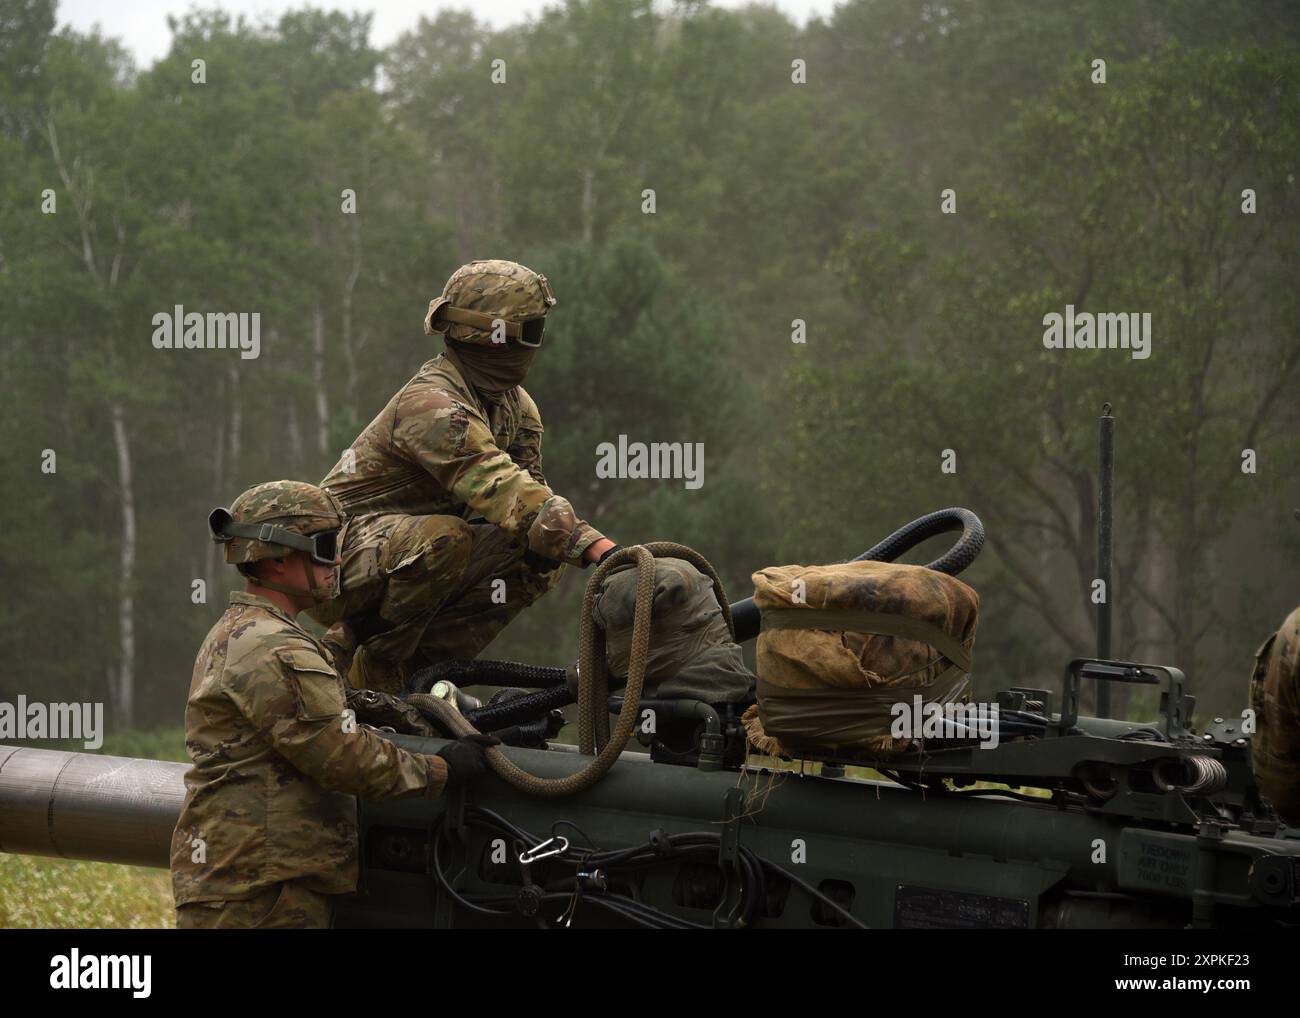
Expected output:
(1258, 675)
(1262, 655)
(318, 686)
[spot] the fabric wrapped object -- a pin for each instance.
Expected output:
(842, 644)
(692, 655)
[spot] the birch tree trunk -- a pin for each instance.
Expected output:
(125, 691)
(318, 379)
(349, 353)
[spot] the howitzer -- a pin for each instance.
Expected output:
(1061, 821)
(673, 845)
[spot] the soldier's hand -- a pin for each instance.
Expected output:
(540, 563)
(383, 710)
(466, 758)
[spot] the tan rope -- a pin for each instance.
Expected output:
(594, 735)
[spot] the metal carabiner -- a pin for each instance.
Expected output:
(536, 852)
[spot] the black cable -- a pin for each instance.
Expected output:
(689, 845)
(487, 673)
(808, 888)
(520, 708)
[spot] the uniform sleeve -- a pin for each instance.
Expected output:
(526, 449)
(295, 700)
(455, 445)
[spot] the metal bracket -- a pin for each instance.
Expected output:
(726, 914)
(1173, 703)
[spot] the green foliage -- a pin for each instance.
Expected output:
(776, 202)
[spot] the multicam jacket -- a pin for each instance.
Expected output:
(277, 763)
(439, 447)
(1275, 699)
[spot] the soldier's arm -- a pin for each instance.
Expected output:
(455, 445)
(295, 700)
(526, 449)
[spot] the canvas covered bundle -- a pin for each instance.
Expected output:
(842, 644)
(692, 654)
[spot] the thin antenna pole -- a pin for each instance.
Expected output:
(1106, 494)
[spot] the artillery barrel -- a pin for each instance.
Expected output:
(86, 806)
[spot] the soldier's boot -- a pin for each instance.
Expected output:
(498, 584)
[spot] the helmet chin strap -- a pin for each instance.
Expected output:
(316, 593)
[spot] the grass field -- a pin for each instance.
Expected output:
(38, 893)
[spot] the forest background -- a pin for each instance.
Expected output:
(1168, 189)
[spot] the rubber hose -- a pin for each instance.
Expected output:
(957, 558)
(748, 620)
(593, 678)
(512, 735)
(519, 708)
(486, 673)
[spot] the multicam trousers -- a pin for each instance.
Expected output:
(286, 906)
(417, 590)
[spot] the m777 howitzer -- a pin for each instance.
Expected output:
(1143, 829)
(1134, 825)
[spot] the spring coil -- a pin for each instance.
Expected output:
(1192, 775)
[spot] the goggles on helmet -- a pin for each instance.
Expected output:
(322, 546)
(526, 332)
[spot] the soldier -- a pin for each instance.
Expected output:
(1275, 699)
(268, 833)
(462, 439)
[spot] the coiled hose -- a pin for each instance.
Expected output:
(594, 734)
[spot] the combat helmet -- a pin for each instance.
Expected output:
(484, 292)
(277, 518)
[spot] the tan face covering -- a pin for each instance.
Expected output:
(494, 368)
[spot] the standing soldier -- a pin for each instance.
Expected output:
(268, 831)
(460, 440)
(1275, 699)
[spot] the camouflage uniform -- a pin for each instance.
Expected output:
(269, 827)
(441, 451)
(287, 906)
(1275, 699)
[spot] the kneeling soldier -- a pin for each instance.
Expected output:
(268, 832)
(462, 440)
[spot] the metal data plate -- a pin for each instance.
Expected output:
(929, 908)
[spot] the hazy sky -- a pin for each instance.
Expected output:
(142, 24)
